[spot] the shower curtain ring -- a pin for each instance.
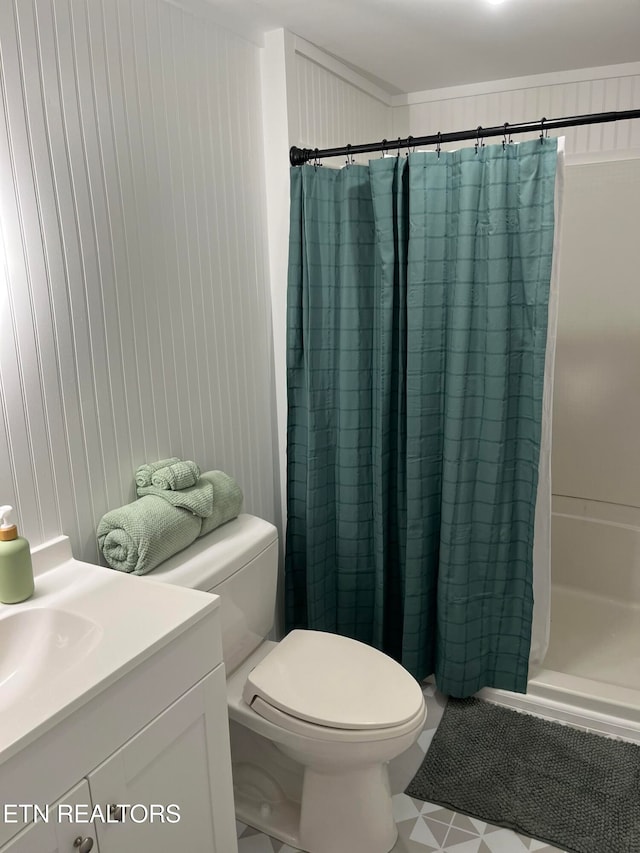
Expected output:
(543, 133)
(350, 159)
(316, 160)
(383, 146)
(504, 140)
(478, 140)
(439, 144)
(409, 140)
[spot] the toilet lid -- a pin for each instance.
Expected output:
(334, 681)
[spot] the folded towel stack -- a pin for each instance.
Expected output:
(146, 472)
(180, 475)
(168, 516)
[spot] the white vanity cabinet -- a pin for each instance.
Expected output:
(171, 781)
(145, 727)
(54, 836)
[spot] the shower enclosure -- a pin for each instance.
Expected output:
(591, 673)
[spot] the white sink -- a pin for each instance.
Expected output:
(84, 628)
(37, 645)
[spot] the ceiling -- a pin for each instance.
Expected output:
(413, 45)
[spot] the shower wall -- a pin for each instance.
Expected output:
(596, 458)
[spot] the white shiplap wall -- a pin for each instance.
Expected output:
(134, 302)
(530, 98)
(333, 107)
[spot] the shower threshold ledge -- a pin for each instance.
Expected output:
(606, 709)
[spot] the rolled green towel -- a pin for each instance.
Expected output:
(180, 475)
(145, 472)
(139, 536)
(197, 499)
(227, 500)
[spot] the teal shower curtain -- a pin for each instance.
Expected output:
(417, 320)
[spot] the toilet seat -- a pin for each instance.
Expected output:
(316, 679)
(312, 731)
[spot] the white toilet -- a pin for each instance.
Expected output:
(314, 719)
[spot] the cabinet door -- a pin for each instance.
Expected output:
(172, 780)
(60, 830)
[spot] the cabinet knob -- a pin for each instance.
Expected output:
(83, 845)
(115, 812)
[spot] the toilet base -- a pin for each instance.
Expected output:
(328, 825)
(281, 821)
(348, 812)
(270, 785)
(267, 785)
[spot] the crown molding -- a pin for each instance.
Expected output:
(239, 25)
(315, 54)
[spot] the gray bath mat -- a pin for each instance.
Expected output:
(570, 788)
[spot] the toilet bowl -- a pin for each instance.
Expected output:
(314, 718)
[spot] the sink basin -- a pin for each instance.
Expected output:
(85, 628)
(36, 645)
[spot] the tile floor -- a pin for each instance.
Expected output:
(422, 827)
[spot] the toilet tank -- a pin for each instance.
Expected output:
(238, 562)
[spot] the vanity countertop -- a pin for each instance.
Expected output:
(84, 628)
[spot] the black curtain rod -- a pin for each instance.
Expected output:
(299, 156)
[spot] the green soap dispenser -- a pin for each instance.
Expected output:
(16, 571)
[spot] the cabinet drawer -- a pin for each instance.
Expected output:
(58, 826)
